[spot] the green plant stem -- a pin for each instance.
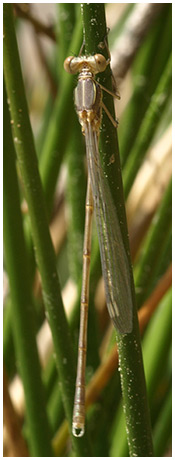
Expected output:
(157, 342)
(44, 252)
(166, 254)
(163, 427)
(76, 201)
(59, 127)
(153, 54)
(148, 127)
(137, 414)
(101, 416)
(153, 246)
(131, 365)
(50, 373)
(66, 23)
(55, 409)
(22, 309)
(8, 342)
(76, 179)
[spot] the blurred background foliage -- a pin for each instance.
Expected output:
(46, 34)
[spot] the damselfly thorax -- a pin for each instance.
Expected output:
(87, 94)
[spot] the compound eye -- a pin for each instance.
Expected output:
(67, 64)
(100, 62)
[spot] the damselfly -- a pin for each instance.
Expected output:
(115, 266)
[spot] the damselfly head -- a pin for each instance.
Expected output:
(95, 64)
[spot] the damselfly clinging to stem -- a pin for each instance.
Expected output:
(115, 266)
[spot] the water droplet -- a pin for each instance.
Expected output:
(77, 432)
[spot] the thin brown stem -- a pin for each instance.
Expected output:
(23, 11)
(17, 443)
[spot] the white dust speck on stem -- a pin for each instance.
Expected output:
(17, 141)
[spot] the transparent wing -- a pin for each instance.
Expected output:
(115, 266)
